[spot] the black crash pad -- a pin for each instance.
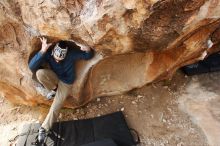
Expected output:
(209, 64)
(105, 142)
(81, 132)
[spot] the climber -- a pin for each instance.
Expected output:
(57, 81)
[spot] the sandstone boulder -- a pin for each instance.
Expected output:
(136, 42)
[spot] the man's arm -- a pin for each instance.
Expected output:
(36, 61)
(86, 55)
(85, 52)
(39, 58)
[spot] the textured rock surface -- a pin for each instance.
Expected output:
(137, 41)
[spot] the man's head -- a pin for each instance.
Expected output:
(60, 51)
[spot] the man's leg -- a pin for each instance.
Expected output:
(63, 91)
(47, 78)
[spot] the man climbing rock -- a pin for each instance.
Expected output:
(57, 81)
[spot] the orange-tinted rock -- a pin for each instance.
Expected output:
(137, 42)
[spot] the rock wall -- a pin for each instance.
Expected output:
(136, 42)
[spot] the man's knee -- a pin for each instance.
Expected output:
(40, 74)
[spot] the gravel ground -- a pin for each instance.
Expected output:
(157, 111)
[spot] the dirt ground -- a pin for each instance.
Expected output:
(183, 111)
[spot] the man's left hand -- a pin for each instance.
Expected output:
(85, 48)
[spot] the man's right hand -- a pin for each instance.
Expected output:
(44, 46)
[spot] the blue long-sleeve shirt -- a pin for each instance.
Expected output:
(65, 69)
